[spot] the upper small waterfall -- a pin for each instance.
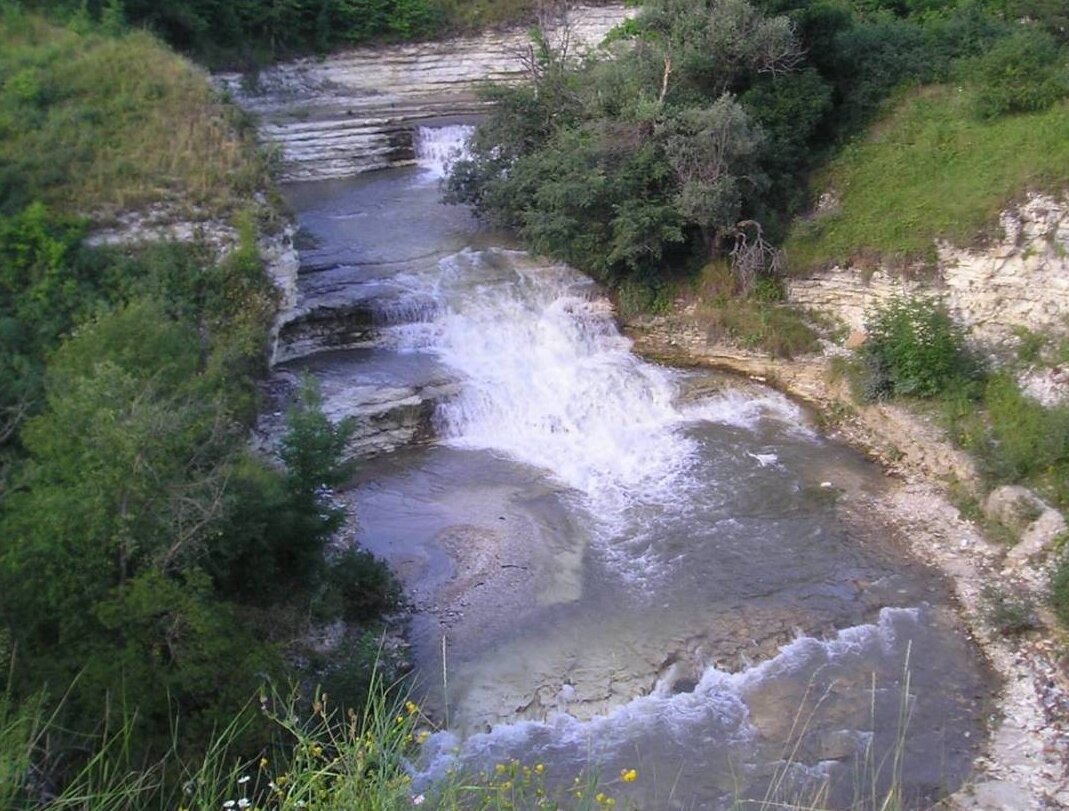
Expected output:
(438, 148)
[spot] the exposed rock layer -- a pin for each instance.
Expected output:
(354, 111)
(1020, 280)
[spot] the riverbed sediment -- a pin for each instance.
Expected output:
(1025, 761)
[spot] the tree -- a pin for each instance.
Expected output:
(41, 293)
(711, 151)
(108, 526)
(313, 448)
(712, 47)
(1022, 73)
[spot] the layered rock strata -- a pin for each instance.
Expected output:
(355, 111)
(1020, 280)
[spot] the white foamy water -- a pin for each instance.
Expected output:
(746, 408)
(438, 148)
(718, 720)
(549, 381)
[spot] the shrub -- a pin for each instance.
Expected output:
(777, 329)
(364, 586)
(1027, 439)
(1059, 590)
(1022, 73)
(1009, 614)
(915, 349)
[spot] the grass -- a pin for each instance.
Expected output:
(930, 170)
(760, 320)
(95, 125)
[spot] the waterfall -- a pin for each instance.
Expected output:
(437, 148)
(549, 381)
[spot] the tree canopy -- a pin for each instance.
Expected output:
(690, 136)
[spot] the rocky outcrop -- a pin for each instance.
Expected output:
(325, 328)
(352, 112)
(1034, 523)
(1020, 280)
(384, 418)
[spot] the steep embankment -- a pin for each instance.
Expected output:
(937, 200)
(134, 317)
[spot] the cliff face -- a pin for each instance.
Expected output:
(1021, 280)
(353, 112)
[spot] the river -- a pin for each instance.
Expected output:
(625, 565)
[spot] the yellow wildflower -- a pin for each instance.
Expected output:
(628, 775)
(539, 768)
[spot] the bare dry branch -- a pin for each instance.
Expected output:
(753, 256)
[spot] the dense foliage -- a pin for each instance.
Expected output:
(254, 30)
(692, 134)
(149, 559)
(250, 32)
(913, 348)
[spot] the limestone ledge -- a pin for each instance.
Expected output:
(1019, 280)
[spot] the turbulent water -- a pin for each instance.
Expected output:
(631, 566)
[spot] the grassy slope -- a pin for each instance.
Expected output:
(930, 170)
(97, 125)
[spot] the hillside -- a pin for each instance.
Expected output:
(930, 170)
(95, 125)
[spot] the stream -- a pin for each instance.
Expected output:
(627, 566)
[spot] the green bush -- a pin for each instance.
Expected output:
(1059, 590)
(359, 587)
(1023, 73)
(913, 349)
(1009, 614)
(1027, 439)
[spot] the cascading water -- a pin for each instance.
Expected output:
(438, 148)
(605, 549)
(549, 380)
(715, 729)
